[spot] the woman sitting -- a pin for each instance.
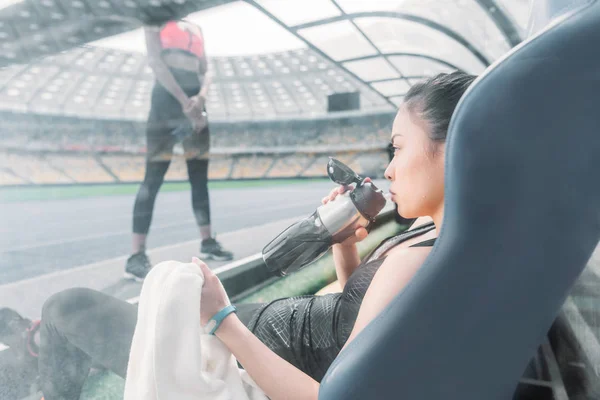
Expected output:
(292, 340)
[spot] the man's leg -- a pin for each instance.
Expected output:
(80, 326)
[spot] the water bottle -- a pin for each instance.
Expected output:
(308, 239)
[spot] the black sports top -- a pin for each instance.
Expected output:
(310, 331)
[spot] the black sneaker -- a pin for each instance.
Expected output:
(138, 266)
(212, 250)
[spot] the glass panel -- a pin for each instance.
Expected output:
(138, 103)
(236, 99)
(216, 101)
(295, 12)
(356, 6)
(86, 95)
(340, 40)
(393, 35)
(417, 66)
(216, 23)
(544, 13)
(55, 92)
(113, 98)
(518, 10)
(372, 69)
(6, 74)
(397, 100)
(390, 88)
(282, 100)
(466, 18)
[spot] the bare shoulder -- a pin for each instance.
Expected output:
(404, 260)
(392, 277)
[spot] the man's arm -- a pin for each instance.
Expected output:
(160, 69)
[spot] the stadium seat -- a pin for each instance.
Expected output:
(35, 168)
(219, 168)
(522, 220)
(177, 169)
(81, 168)
(127, 168)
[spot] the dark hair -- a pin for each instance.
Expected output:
(435, 100)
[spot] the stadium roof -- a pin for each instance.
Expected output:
(379, 47)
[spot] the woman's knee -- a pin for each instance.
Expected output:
(149, 188)
(60, 305)
(155, 174)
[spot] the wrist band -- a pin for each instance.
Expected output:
(215, 321)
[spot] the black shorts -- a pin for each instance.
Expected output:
(166, 118)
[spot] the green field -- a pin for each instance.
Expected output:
(32, 193)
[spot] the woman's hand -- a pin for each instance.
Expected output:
(193, 106)
(213, 298)
(194, 110)
(339, 190)
(360, 233)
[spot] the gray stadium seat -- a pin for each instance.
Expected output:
(522, 219)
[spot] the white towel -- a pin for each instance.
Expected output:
(172, 357)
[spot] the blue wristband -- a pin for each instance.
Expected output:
(215, 321)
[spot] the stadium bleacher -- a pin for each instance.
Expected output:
(177, 169)
(251, 166)
(26, 131)
(45, 149)
(79, 116)
(9, 178)
(126, 167)
(35, 170)
(31, 167)
(80, 168)
(219, 167)
(289, 165)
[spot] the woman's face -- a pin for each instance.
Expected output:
(417, 170)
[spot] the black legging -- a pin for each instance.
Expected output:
(81, 326)
(153, 179)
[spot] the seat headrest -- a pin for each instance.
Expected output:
(522, 218)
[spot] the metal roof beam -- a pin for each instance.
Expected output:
(417, 55)
(403, 16)
(315, 48)
(504, 23)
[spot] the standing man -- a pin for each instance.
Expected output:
(177, 57)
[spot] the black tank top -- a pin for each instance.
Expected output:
(310, 331)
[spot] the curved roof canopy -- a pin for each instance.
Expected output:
(382, 45)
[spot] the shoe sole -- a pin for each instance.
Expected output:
(130, 276)
(209, 256)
